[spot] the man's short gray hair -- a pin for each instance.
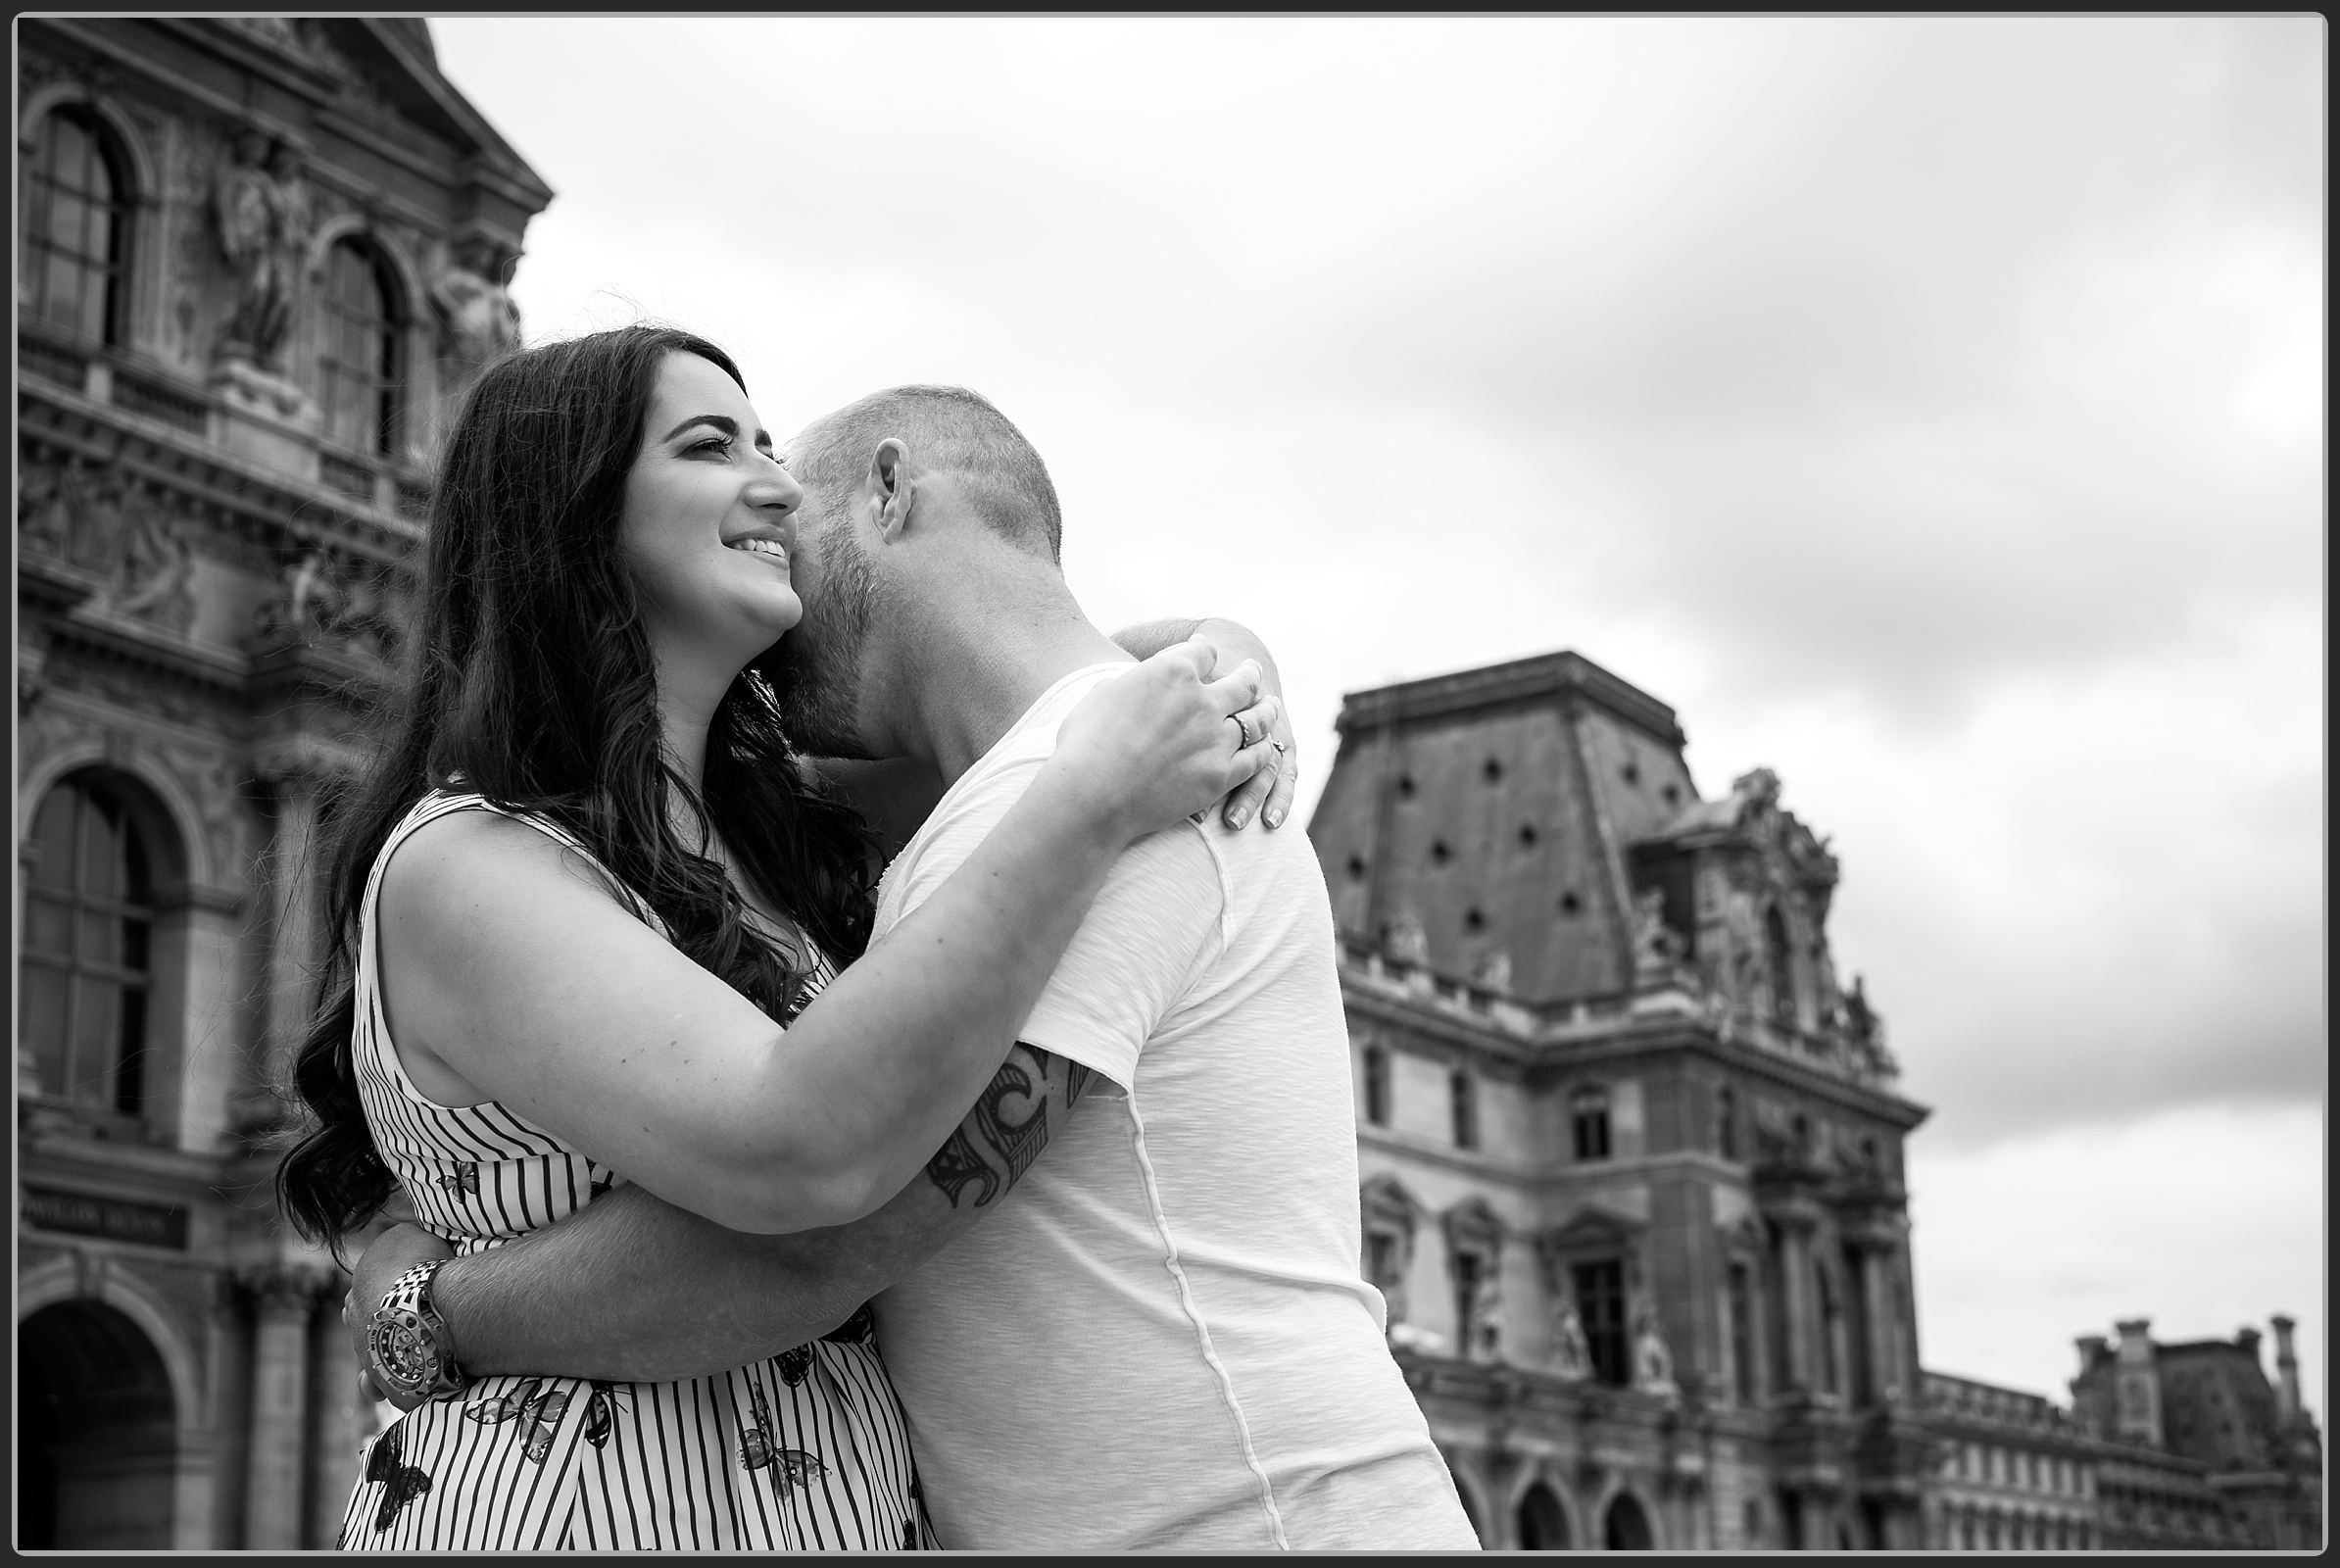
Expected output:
(953, 430)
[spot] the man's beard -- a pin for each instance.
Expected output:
(815, 669)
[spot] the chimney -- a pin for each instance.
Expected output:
(2287, 1370)
(2136, 1385)
(2093, 1351)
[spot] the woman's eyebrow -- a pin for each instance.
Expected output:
(723, 422)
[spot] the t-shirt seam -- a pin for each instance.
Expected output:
(1201, 1327)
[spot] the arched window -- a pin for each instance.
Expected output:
(1589, 1121)
(1543, 1526)
(1626, 1528)
(77, 225)
(1463, 1095)
(88, 935)
(364, 327)
(1726, 1122)
(1782, 965)
(1376, 1085)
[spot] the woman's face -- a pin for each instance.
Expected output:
(708, 524)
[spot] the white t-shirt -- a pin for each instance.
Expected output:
(1159, 1338)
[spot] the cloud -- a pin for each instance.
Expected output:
(1929, 408)
(2203, 1220)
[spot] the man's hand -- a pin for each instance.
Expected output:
(1269, 791)
(385, 1259)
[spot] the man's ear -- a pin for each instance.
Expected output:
(891, 488)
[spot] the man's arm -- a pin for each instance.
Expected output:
(1270, 790)
(636, 1290)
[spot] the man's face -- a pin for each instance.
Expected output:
(815, 670)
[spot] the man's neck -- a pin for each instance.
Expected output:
(965, 679)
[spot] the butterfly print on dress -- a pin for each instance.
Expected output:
(537, 1415)
(598, 1412)
(796, 1365)
(758, 1449)
(402, 1483)
(464, 1178)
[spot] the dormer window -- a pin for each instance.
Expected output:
(1589, 1121)
(1463, 1096)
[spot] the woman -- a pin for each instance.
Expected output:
(596, 906)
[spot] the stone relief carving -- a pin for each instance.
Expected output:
(477, 319)
(216, 783)
(50, 494)
(322, 603)
(158, 565)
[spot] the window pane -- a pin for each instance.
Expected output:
(97, 1034)
(90, 321)
(69, 213)
(97, 938)
(130, 1086)
(135, 943)
(137, 886)
(53, 837)
(42, 1020)
(48, 925)
(60, 291)
(100, 873)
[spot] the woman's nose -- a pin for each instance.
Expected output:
(775, 487)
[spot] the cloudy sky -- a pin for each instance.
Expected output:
(1931, 409)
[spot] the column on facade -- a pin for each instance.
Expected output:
(293, 947)
(1796, 1297)
(1872, 1255)
(286, 1299)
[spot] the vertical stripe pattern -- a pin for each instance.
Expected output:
(805, 1451)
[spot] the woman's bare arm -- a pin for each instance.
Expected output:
(510, 976)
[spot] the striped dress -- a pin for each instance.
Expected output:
(805, 1451)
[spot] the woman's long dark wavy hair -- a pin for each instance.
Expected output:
(532, 678)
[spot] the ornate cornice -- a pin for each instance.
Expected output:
(245, 500)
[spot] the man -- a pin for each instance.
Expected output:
(1122, 1308)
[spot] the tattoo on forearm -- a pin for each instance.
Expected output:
(956, 1166)
(1011, 1144)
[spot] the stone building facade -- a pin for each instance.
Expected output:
(2014, 1472)
(255, 257)
(1631, 1153)
(2165, 1448)
(2203, 1452)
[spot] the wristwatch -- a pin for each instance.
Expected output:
(409, 1347)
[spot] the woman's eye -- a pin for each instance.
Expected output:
(713, 443)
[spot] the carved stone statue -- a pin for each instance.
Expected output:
(1571, 1356)
(1485, 1339)
(1860, 1022)
(1404, 939)
(477, 319)
(1653, 1363)
(157, 568)
(1657, 946)
(1494, 972)
(260, 204)
(1759, 786)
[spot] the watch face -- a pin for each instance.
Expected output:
(407, 1356)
